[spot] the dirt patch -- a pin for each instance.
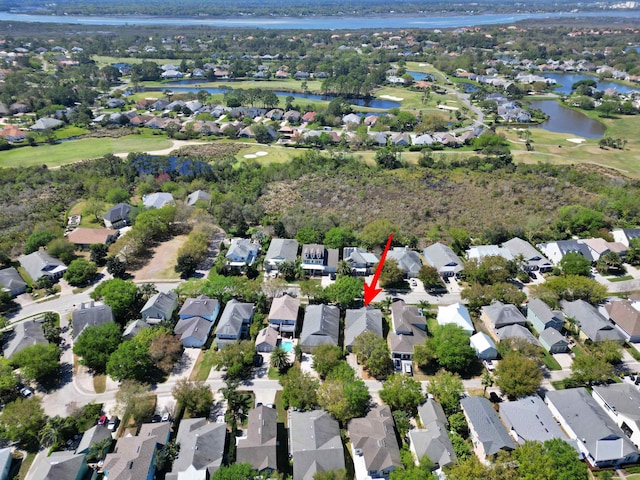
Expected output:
(162, 261)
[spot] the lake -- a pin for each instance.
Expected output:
(568, 79)
(566, 120)
(429, 20)
(373, 102)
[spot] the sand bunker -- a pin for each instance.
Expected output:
(250, 155)
(576, 140)
(261, 154)
(391, 97)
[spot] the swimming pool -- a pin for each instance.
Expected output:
(287, 345)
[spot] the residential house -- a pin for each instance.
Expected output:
(259, 447)
(408, 260)
(266, 340)
(375, 449)
(22, 335)
(553, 341)
(96, 434)
(280, 250)
(6, 459)
(484, 346)
(234, 322)
(65, 465)
(541, 316)
(625, 235)
(283, 315)
(201, 306)
(361, 261)
(314, 443)
(456, 314)
(601, 442)
(599, 247)
(433, 440)
(443, 259)
(626, 317)
(592, 324)
(134, 456)
(498, 315)
(529, 419)
(400, 139)
(198, 196)
(242, 253)
(202, 446)
(554, 251)
(621, 401)
(117, 216)
(159, 307)
(133, 329)
(517, 332)
(193, 332)
(318, 259)
(408, 329)
(352, 119)
(40, 264)
(13, 134)
(321, 326)
(12, 282)
(485, 429)
(157, 200)
(478, 252)
(46, 123)
(357, 322)
(85, 237)
(89, 315)
(533, 259)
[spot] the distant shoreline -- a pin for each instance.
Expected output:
(317, 22)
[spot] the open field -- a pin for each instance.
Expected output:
(82, 149)
(162, 262)
(274, 154)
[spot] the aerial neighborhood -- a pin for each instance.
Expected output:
(319, 255)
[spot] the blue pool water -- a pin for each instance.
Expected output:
(286, 345)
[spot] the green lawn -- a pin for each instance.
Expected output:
(550, 362)
(275, 154)
(86, 148)
(620, 279)
(203, 366)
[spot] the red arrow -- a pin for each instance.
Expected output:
(370, 291)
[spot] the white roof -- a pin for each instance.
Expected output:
(481, 342)
(457, 314)
(481, 251)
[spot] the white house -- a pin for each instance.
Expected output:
(456, 314)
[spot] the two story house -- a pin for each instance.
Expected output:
(283, 315)
(409, 328)
(234, 322)
(318, 260)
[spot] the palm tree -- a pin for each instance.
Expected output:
(344, 268)
(51, 434)
(280, 359)
(487, 381)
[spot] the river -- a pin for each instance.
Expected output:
(566, 120)
(316, 22)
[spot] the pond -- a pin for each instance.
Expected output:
(566, 120)
(417, 76)
(370, 102)
(568, 79)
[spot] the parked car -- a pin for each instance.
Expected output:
(103, 420)
(489, 365)
(113, 423)
(26, 392)
(165, 417)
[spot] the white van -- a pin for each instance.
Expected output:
(407, 368)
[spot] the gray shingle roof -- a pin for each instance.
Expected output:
(374, 435)
(11, 280)
(202, 446)
(40, 263)
(321, 325)
(486, 424)
(243, 248)
(591, 425)
(442, 258)
(231, 319)
(360, 321)
(532, 257)
(592, 324)
(433, 441)
(118, 212)
(157, 200)
(202, 306)
(198, 195)
(550, 337)
(259, 446)
(432, 411)
(193, 327)
(517, 331)
(165, 303)
(133, 329)
(502, 315)
(95, 434)
(58, 466)
(623, 398)
(408, 260)
(314, 443)
(284, 249)
(24, 334)
(530, 419)
(544, 312)
(284, 308)
(90, 315)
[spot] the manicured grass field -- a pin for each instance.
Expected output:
(275, 154)
(86, 148)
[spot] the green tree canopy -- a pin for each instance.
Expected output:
(391, 275)
(345, 291)
(569, 287)
(402, 392)
(588, 369)
(447, 387)
(195, 397)
(130, 361)
(373, 352)
(39, 362)
(573, 263)
(299, 389)
(430, 277)
(344, 399)
(8, 381)
(552, 460)
(121, 295)
(38, 239)
(339, 237)
(237, 359)
(80, 272)
(450, 344)
(518, 376)
(235, 471)
(22, 420)
(95, 345)
(325, 358)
